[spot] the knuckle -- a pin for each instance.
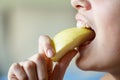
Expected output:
(15, 66)
(39, 58)
(43, 38)
(29, 65)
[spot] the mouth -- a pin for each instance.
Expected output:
(81, 24)
(84, 22)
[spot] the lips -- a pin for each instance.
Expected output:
(82, 24)
(82, 21)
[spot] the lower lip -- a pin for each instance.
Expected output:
(87, 43)
(83, 46)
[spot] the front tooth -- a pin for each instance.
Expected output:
(87, 26)
(81, 24)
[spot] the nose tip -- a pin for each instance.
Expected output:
(81, 4)
(77, 4)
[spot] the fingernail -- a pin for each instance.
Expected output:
(50, 53)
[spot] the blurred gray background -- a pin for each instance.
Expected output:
(23, 21)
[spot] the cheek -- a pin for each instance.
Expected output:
(105, 14)
(105, 51)
(107, 23)
(108, 38)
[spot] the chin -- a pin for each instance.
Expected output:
(84, 64)
(88, 65)
(92, 63)
(88, 59)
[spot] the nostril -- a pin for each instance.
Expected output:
(78, 6)
(81, 4)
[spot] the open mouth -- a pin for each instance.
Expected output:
(81, 24)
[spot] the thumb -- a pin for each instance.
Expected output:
(61, 66)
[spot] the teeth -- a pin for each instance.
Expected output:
(87, 26)
(82, 25)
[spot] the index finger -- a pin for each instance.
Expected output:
(45, 46)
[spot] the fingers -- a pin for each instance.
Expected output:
(46, 46)
(38, 66)
(61, 66)
(41, 66)
(49, 64)
(15, 72)
(30, 69)
(35, 68)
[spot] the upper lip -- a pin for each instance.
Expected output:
(84, 19)
(80, 17)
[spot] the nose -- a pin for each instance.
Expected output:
(81, 4)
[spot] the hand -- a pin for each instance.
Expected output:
(40, 66)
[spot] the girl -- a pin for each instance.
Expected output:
(102, 54)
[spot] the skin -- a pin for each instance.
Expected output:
(102, 54)
(39, 66)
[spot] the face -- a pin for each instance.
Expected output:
(103, 16)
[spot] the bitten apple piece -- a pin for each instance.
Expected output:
(70, 38)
